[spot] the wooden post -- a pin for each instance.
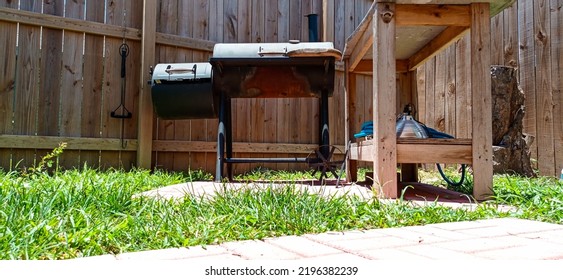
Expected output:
(481, 101)
(384, 100)
(148, 43)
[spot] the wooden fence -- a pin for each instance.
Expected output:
(527, 35)
(60, 79)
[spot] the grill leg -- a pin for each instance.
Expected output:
(229, 135)
(220, 141)
(324, 131)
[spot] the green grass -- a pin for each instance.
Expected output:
(69, 214)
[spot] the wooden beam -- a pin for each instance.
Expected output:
(114, 144)
(433, 15)
(57, 22)
(360, 41)
(440, 42)
(365, 66)
(384, 100)
(238, 147)
(73, 143)
(184, 42)
(145, 125)
(361, 48)
(481, 102)
(96, 28)
(455, 151)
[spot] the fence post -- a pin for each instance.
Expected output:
(148, 44)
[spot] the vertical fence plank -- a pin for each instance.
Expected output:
(430, 68)
(167, 22)
(295, 122)
(328, 22)
(133, 18)
(216, 21)
(340, 23)
(184, 129)
(71, 84)
(198, 127)
(450, 97)
(463, 87)
(283, 104)
(510, 35)
(527, 69)
(544, 93)
(439, 93)
(93, 79)
(497, 36)
(240, 107)
(420, 109)
(26, 98)
(270, 104)
(257, 107)
(310, 131)
(50, 81)
(8, 31)
(557, 79)
(112, 83)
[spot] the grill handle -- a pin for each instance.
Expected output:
(171, 70)
(262, 52)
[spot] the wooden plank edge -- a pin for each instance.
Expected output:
(114, 144)
(365, 66)
(432, 15)
(453, 152)
(96, 28)
(238, 147)
(73, 143)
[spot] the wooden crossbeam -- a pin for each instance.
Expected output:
(114, 144)
(433, 15)
(365, 66)
(440, 42)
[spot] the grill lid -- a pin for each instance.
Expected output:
(180, 72)
(272, 50)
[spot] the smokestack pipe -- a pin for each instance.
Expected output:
(313, 27)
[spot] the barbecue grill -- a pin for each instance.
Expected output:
(271, 70)
(183, 91)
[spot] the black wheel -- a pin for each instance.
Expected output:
(321, 160)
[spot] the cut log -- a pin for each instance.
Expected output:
(511, 152)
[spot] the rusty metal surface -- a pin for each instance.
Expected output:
(273, 78)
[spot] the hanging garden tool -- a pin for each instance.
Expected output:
(121, 111)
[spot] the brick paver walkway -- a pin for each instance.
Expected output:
(505, 239)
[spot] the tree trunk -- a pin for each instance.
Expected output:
(510, 146)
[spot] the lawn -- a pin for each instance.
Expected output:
(70, 214)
